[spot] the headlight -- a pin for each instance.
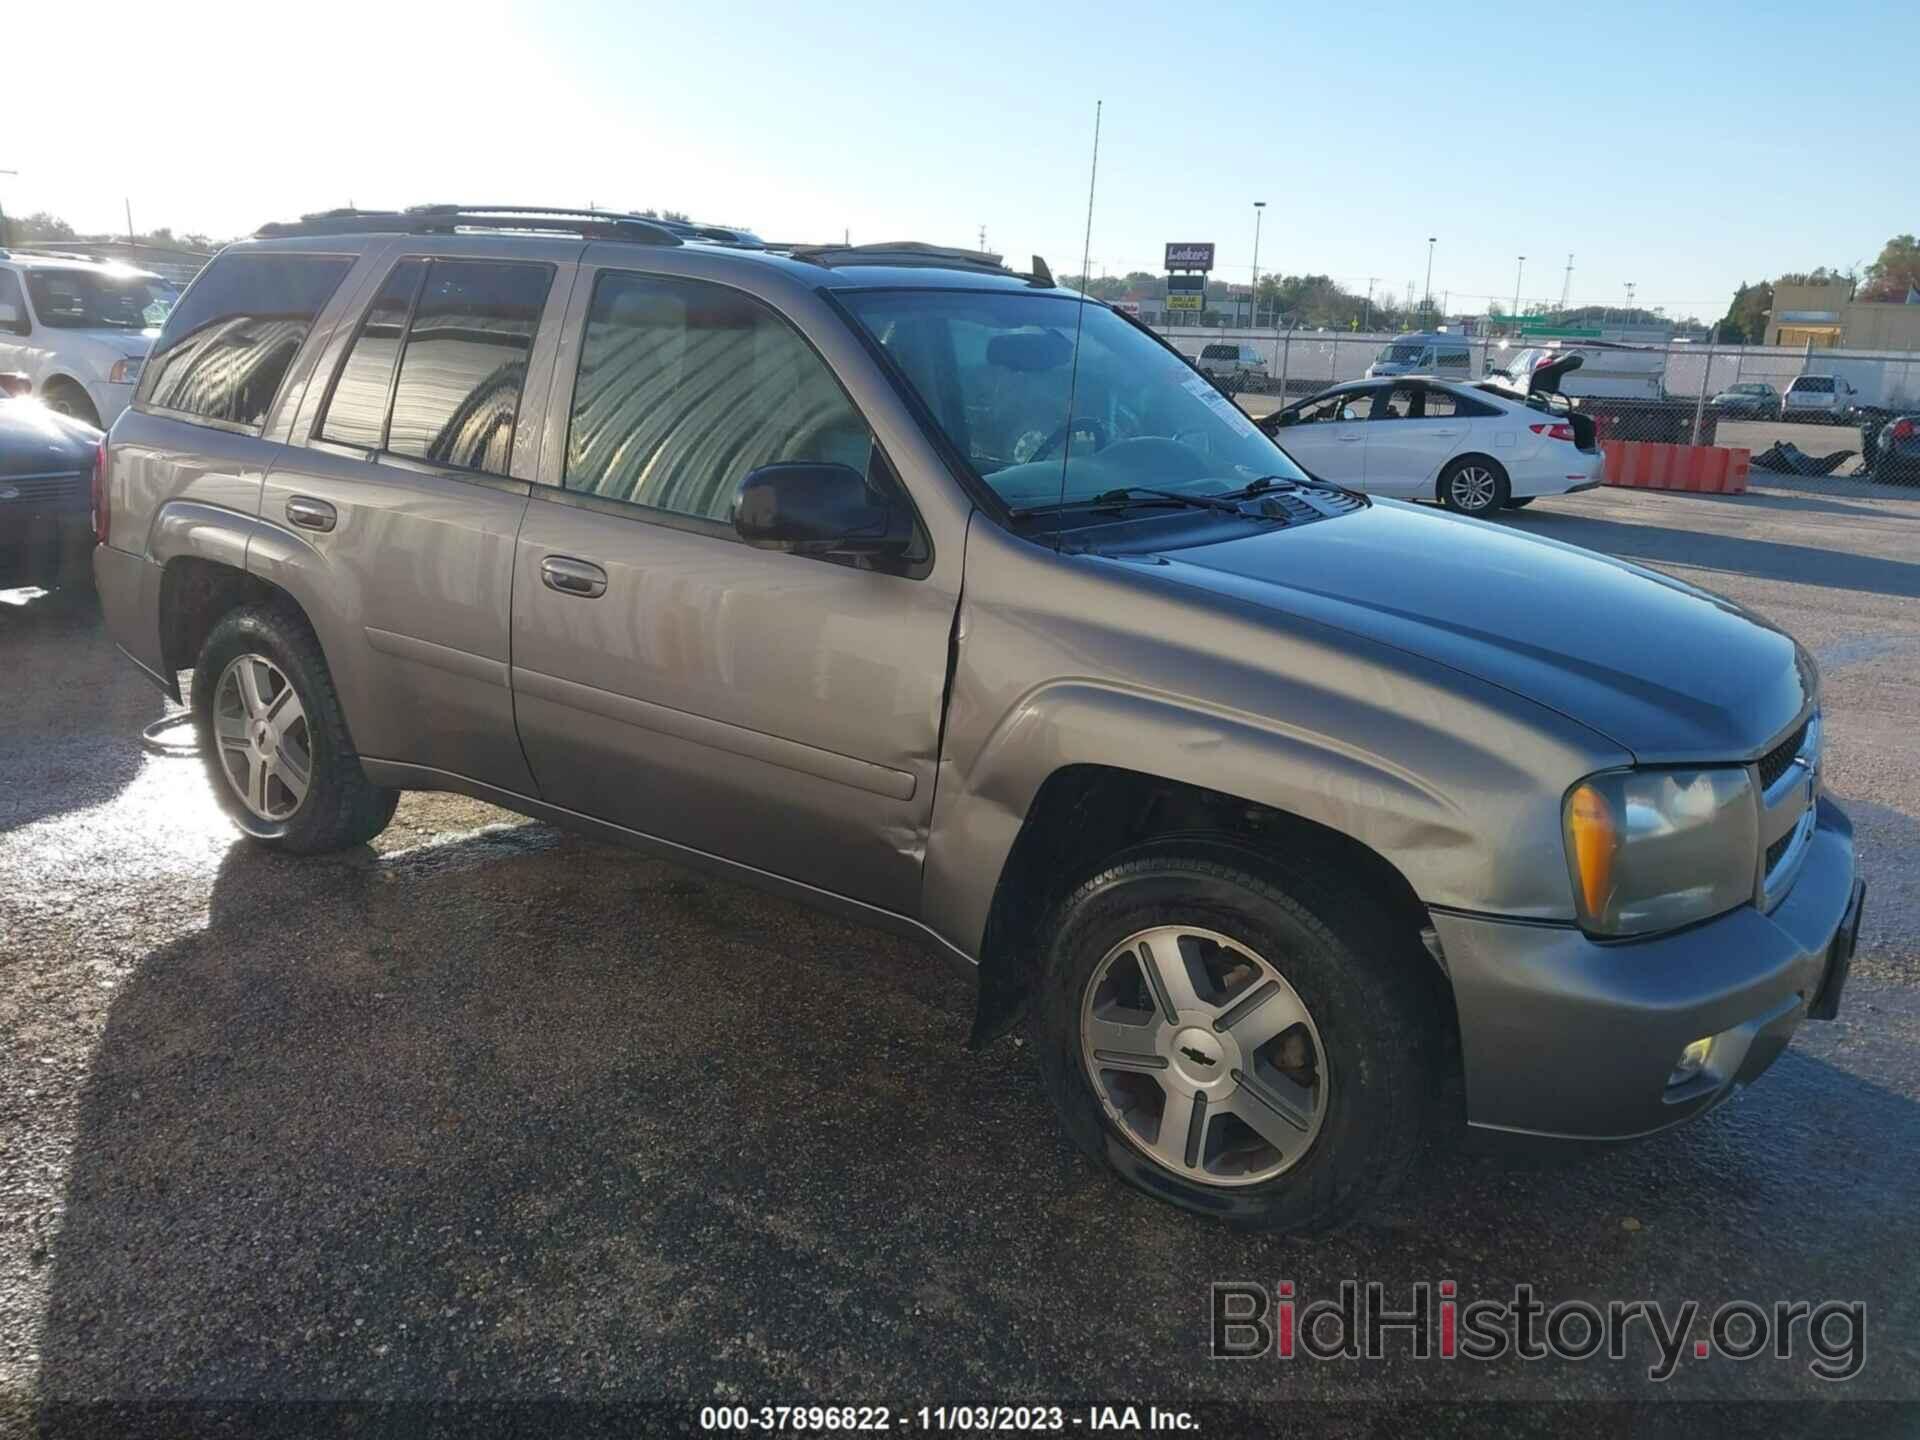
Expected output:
(1654, 849)
(125, 372)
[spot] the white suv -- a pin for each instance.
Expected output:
(79, 329)
(1819, 398)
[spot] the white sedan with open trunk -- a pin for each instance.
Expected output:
(1475, 448)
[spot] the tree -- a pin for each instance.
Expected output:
(1895, 273)
(39, 227)
(1746, 318)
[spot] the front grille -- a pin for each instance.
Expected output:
(39, 489)
(1777, 849)
(1776, 761)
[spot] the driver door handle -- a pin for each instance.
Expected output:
(1450, 430)
(1350, 439)
(573, 577)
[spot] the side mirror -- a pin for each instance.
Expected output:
(11, 319)
(810, 508)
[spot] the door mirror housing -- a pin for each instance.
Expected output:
(11, 318)
(810, 508)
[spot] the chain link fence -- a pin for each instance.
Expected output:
(1823, 434)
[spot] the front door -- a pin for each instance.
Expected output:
(773, 709)
(1329, 437)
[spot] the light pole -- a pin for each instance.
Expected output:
(1518, 272)
(1426, 295)
(1259, 210)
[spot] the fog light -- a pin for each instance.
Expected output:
(1692, 1060)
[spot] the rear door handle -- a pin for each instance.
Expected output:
(573, 577)
(1350, 439)
(311, 514)
(1446, 432)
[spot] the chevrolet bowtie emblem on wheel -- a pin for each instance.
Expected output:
(1198, 1056)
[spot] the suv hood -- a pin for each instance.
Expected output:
(1662, 669)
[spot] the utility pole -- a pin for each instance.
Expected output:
(1426, 295)
(1566, 285)
(3, 214)
(129, 205)
(983, 239)
(1368, 312)
(1259, 210)
(1520, 270)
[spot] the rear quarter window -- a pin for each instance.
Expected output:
(228, 343)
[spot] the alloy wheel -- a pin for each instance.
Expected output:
(260, 727)
(1204, 1056)
(1472, 488)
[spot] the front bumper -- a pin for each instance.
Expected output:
(1564, 1036)
(44, 546)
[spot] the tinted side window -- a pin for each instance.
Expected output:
(357, 412)
(465, 362)
(228, 343)
(684, 387)
(1454, 359)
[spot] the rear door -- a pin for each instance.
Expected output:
(777, 710)
(1413, 430)
(404, 487)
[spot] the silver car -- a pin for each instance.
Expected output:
(1296, 824)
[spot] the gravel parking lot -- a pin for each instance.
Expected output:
(488, 1112)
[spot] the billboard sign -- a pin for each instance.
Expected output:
(1189, 301)
(1192, 255)
(1193, 283)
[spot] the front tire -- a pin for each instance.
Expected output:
(1237, 1038)
(1474, 485)
(63, 397)
(274, 738)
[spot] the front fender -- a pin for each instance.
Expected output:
(1455, 782)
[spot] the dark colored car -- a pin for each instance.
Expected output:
(46, 494)
(1749, 400)
(1893, 450)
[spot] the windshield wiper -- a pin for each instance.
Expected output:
(1139, 495)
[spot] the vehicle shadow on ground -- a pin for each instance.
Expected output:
(521, 1115)
(73, 709)
(1763, 559)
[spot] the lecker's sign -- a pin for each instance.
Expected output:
(1190, 257)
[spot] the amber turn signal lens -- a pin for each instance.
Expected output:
(1594, 839)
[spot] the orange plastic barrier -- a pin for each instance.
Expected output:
(1703, 469)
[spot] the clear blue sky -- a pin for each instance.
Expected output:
(1682, 147)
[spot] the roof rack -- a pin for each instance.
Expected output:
(446, 219)
(897, 252)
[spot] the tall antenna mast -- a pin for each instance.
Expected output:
(1080, 313)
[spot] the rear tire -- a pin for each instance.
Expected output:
(1335, 1004)
(274, 738)
(1474, 485)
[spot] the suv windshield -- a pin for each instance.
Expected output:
(996, 370)
(93, 300)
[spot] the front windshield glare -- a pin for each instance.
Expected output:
(996, 369)
(92, 300)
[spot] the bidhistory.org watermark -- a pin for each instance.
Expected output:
(1431, 1320)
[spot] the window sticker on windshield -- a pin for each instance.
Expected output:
(1221, 406)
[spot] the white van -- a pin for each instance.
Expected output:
(1233, 362)
(1424, 352)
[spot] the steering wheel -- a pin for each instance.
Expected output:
(1098, 428)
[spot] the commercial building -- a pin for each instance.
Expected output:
(1827, 317)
